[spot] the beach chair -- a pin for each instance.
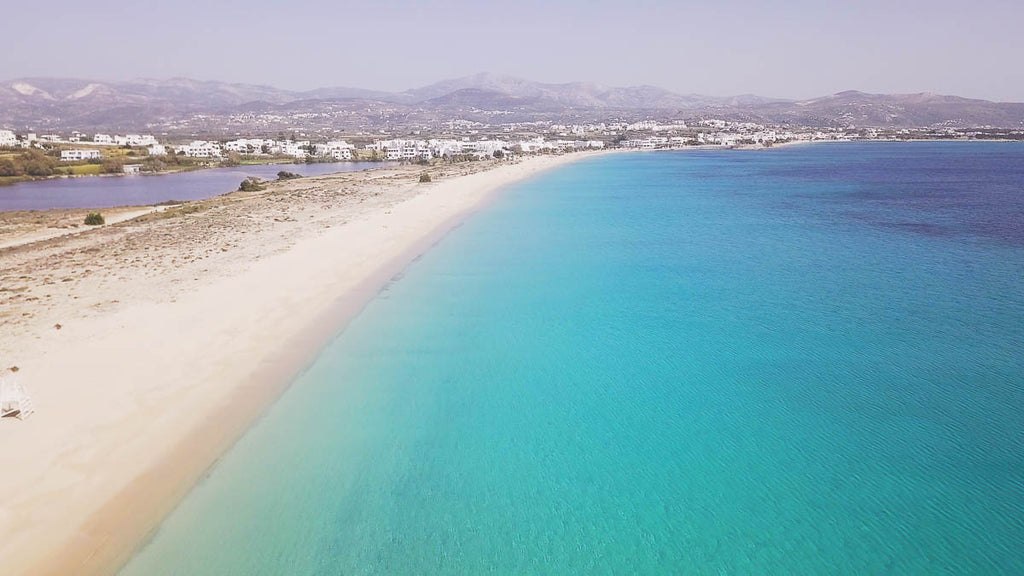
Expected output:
(14, 401)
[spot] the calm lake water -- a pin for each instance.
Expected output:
(105, 192)
(798, 361)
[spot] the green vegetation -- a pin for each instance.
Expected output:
(84, 170)
(425, 177)
(232, 159)
(498, 154)
(94, 219)
(31, 162)
(251, 184)
(112, 166)
(170, 162)
(286, 175)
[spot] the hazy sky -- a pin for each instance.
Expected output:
(793, 49)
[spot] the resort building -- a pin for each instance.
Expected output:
(157, 150)
(289, 148)
(78, 155)
(102, 139)
(8, 139)
(135, 140)
(200, 149)
(250, 146)
(403, 149)
(337, 149)
(535, 145)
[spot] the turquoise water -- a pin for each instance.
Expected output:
(798, 361)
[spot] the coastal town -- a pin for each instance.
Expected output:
(80, 154)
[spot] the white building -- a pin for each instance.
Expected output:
(337, 149)
(289, 148)
(249, 146)
(404, 149)
(139, 140)
(483, 148)
(78, 155)
(649, 143)
(442, 147)
(200, 149)
(102, 139)
(157, 150)
(535, 145)
(8, 139)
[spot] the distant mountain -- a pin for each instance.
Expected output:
(73, 103)
(572, 94)
(344, 93)
(904, 110)
(45, 104)
(481, 99)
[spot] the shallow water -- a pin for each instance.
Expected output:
(799, 361)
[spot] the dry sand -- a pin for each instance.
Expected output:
(176, 330)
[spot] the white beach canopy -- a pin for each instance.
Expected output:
(14, 401)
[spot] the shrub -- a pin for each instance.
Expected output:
(232, 159)
(94, 219)
(424, 177)
(38, 168)
(250, 184)
(286, 175)
(8, 168)
(112, 166)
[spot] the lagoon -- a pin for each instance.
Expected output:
(142, 190)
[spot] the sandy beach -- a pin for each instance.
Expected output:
(149, 345)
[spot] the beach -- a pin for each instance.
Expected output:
(151, 344)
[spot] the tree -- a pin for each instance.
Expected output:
(112, 166)
(232, 159)
(153, 164)
(498, 154)
(36, 163)
(38, 168)
(7, 168)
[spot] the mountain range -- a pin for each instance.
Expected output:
(62, 104)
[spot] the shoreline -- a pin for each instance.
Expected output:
(285, 161)
(150, 426)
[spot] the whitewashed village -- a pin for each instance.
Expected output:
(80, 154)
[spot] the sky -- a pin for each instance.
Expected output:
(792, 49)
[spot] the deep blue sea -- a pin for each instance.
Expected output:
(806, 360)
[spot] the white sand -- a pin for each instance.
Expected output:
(110, 217)
(135, 404)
